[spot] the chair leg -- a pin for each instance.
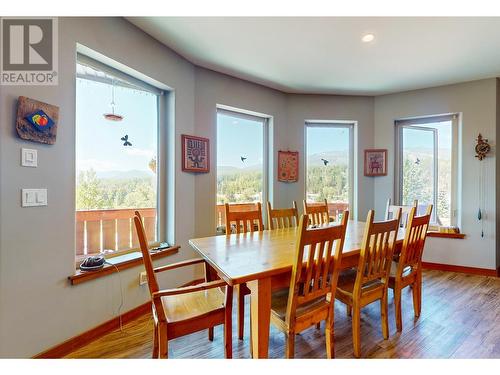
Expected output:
(290, 345)
(348, 310)
(330, 339)
(318, 325)
(211, 333)
(383, 315)
(356, 336)
(397, 307)
(417, 296)
(241, 313)
(228, 324)
(155, 342)
(162, 341)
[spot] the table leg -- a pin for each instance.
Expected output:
(260, 315)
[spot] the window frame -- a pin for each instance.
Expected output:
(413, 123)
(129, 81)
(350, 125)
(265, 120)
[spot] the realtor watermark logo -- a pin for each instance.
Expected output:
(29, 51)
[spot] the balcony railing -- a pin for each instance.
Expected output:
(100, 230)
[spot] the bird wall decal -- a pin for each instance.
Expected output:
(125, 140)
(243, 159)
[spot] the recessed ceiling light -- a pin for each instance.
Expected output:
(367, 38)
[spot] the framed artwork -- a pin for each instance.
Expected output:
(376, 162)
(36, 121)
(288, 166)
(195, 154)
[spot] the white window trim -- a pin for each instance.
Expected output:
(410, 123)
(165, 231)
(265, 120)
(352, 194)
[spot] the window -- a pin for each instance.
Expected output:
(116, 158)
(241, 158)
(426, 165)
(329, 164)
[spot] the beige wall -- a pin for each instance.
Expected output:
(476, 101)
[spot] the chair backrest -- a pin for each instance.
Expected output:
(146, 256)
(321, 250)
(377, 250)
(317, 213)
(391, 209)
(413, 244)
(282, 218)
(245, 220)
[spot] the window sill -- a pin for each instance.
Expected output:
(446, 235)
(130, 260)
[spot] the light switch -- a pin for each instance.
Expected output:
(29, 157)
(34, 197)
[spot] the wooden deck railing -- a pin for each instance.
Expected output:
(99, 230)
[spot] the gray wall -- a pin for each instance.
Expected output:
(477, 103)
(38, 307)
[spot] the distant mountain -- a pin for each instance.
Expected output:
(124, 175)
(227, 170)
(333, 157)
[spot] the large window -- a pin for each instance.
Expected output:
(426, 165)
(116, 159)
(329, 164)
(241, 161)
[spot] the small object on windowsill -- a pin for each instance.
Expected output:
(162, 246)
(449, 230)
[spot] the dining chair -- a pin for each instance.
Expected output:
(282, 218)
(247, 221)
(308, 300)
(390, 210)
(317, 212)
(369, 282)
(180, 311)
(407, 270)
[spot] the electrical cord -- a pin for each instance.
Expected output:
(121, 294)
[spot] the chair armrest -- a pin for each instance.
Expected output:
(189, 289)
(179, 264)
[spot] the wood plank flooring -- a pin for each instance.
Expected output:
(460, 319)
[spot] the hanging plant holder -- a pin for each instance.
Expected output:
(113, 116)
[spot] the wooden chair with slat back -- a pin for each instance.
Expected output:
(282, 218)
(369, 282)
(181, 311)
(314, 279)
(245, 221)
(408, 269)
(391, 209)
(318, 213)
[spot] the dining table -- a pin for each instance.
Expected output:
(263, 260)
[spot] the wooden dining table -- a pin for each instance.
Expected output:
(263, 260)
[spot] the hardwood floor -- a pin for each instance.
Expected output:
(460, 319)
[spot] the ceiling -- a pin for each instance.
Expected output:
(326, 54)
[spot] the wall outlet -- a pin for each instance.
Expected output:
(143, 278)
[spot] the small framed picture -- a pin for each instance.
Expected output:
(288, 166)
(376, 162)
(195, 154)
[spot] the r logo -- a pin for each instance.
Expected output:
(27, 44)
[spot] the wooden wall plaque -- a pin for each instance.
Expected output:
(25, 130)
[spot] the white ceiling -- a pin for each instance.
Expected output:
(326, 55)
